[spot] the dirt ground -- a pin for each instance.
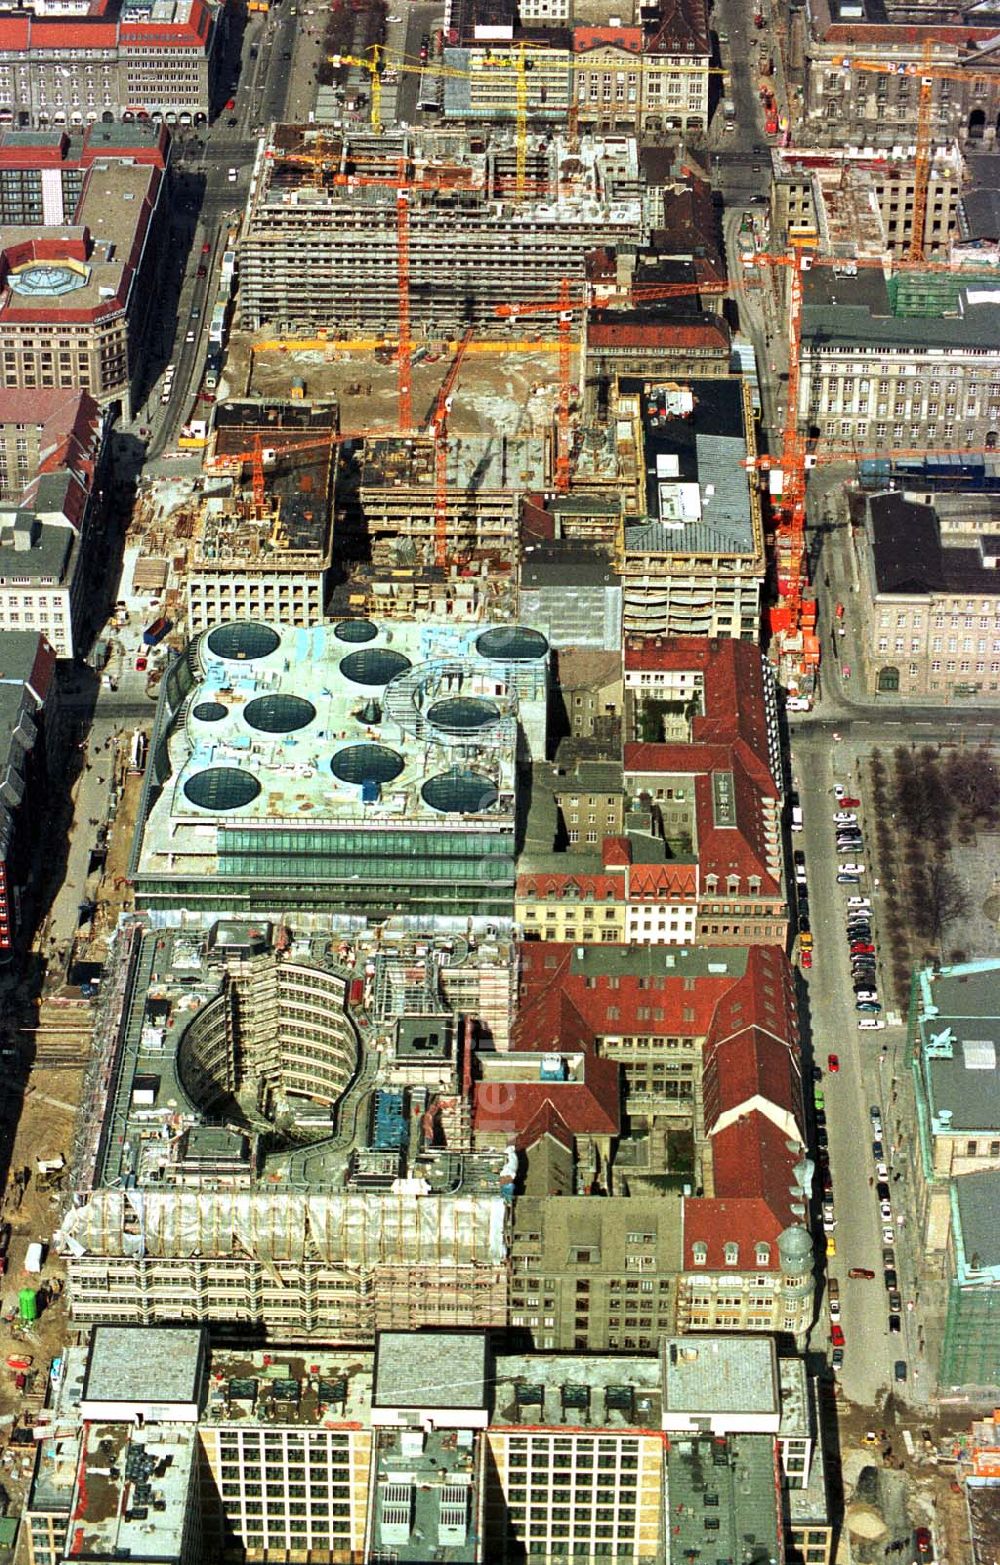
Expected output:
(498, 385)
(45, 1114)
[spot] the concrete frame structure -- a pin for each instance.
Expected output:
(274, 1209)
(472, 246)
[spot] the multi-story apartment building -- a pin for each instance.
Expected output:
(864, 71)
(676, 56)
(472, 245)
(436, 1443)
(911, 364)
(78, 274)
(595, 1276)
(694, 544)
(52, 450)
(702, 759)
(707, 1045)
(138, 62)
(927, 619)
(608, 76)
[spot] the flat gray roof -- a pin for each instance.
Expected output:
(431, 1369)
(959, 1025)
(978, 1198)
(145, 1364)
(719, 1375)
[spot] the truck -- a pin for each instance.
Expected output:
(729, 114)
(154, 633)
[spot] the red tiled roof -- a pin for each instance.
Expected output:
(572, 887)
(660, 882)
(716, 1222)
(193, 31)
(557, 1010)
(686, 759)
(616, 851)
(14, 32)
(606, 332)
(78, 33)
(629, 38)
(682, 28)
(587, 1107)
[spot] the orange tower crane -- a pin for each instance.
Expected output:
(929, 73)
(563, 307)
(439, 434)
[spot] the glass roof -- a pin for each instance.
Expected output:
(360, 763)
(222, 788)
(243, 639)
(279, 713)
(373, 666)
(512, 643)
(459, 792)
(463, 714)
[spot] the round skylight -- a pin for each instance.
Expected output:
(279, 713)
(222, 788)
(373, 666)
(459, 792)
(243, 641)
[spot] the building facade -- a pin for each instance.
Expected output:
(99, 67)
(77, 283)
(928, 612)
(914, 365)
(52, 445)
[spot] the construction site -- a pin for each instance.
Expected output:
(484, 227)
(274, 1138)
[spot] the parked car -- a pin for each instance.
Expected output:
(861, 1272)
(875, 1115)
(871, 1023)
(847, 802)
(889, 1277)
(878, 1151)
(862, 948)
(885, 1207)
(895, 1324)
(882, 1191)
(881, 1171)
(141, 663)
(888, 1234)
(845, 818)
(837, 1336)
(895, 1301)
(806, 959)
(868, 1007)
(899, 1370)
(861, 902)
(848, 880)
(850, 868)
(837, 1359)
(833, 1295)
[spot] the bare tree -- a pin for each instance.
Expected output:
(945, 899)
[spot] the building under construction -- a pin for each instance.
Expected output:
(362, 770)
(330, 217)
(486, 477)
(263, 547)
(279, 1142)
